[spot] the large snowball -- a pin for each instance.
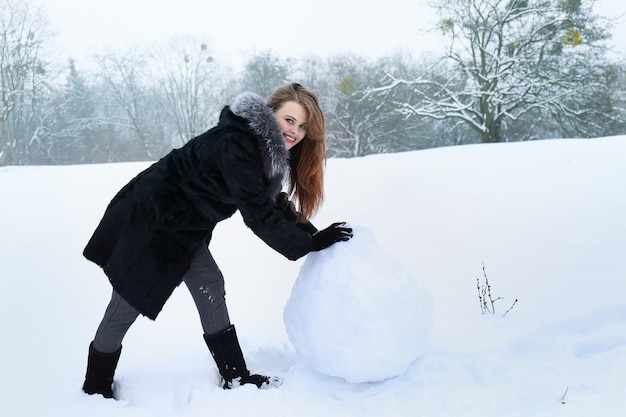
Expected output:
(356, 313)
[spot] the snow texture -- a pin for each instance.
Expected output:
(547, 218)
(357, 313)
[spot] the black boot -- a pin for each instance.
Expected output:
(100, 371)
(224, 347)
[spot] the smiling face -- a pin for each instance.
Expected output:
(292, 119)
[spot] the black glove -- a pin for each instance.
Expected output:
(336, 232)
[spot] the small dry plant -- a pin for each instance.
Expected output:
(487, 301)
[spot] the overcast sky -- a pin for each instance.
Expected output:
(237, 27)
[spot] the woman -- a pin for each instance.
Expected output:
(156, 230)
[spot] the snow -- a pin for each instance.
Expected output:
(547, 218)
(357, 313)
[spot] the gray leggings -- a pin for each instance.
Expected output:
(206, 285)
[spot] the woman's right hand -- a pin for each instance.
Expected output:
(336, 232)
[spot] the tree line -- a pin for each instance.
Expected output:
(512, 70)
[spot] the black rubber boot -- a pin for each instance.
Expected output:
(100, 371)
(224, 347)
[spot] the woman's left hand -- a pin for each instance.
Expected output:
(336, 232)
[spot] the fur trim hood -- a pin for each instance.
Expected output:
(262, 122)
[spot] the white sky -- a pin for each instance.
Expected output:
(236, 27)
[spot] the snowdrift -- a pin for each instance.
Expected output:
(546, 218)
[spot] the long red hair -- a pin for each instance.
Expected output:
(307, 158)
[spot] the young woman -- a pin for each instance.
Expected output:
(156, 230)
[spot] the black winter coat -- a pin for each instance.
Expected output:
(155, 224)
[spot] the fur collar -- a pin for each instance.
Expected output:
(262, 122)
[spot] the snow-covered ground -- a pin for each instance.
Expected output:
(547, 218)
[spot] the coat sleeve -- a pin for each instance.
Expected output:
(291, 214)
(240, 162)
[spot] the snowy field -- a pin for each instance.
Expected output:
(547, 219)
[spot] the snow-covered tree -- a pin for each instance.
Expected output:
(353, 118)
(360, 123)
(127, 103)
(187, 83)
(23, 70)
(72, 135)
(508, 59)
(263, 72)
